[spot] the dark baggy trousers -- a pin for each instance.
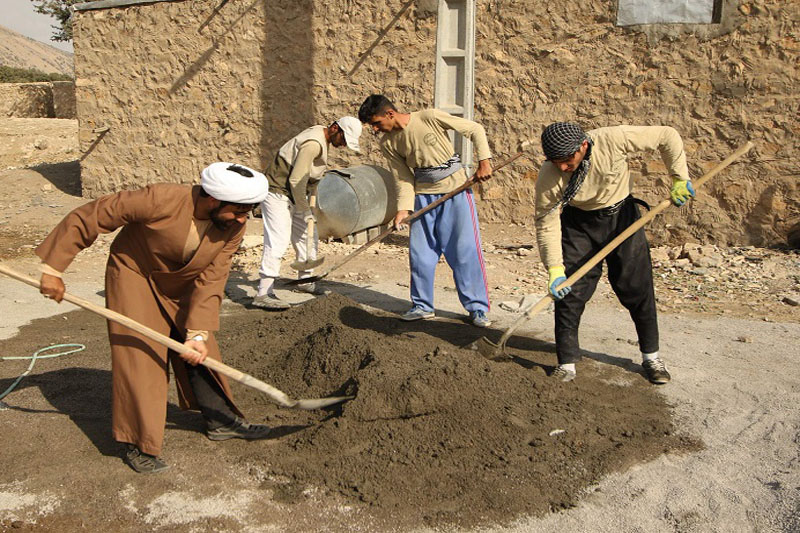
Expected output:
(630, 272)
(213, 402)
(214, 406)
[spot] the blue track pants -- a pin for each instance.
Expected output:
(450, 229)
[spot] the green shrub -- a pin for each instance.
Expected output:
(24, 75)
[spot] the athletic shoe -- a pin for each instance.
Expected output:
(563, 374)
(478, 319)
(143, 463)
(239, 429)
(416, 313)
(311, 288)
(270, 301)
(656, 371)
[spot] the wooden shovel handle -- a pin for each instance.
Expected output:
(608, 248)
(312, 202)
(245, 379)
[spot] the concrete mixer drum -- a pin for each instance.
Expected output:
(354, 199)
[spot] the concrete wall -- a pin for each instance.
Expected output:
(38, 100)
(180, 84)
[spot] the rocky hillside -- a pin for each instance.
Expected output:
(16, 50)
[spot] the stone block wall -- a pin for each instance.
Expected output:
(165, 89)
(180, 84)
(38, 100)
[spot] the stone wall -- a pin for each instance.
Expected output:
(180, 84)
(64, 99)
(539, 62)
(38, 100)
(164, 89)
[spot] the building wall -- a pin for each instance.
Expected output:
(38, 100)
(539, 62)
(180, 84)
(165, 89)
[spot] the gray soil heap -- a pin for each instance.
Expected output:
(436, 434)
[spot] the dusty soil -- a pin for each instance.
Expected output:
(437, 438)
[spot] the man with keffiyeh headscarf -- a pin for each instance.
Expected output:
(583, 200)
(167, 270)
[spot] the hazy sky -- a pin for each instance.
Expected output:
(19, 15)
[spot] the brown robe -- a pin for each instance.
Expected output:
(147, 280)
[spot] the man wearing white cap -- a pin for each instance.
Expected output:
(293, 174)
(167, 270)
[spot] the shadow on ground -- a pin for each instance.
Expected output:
(66, 176)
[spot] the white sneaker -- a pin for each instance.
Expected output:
(311, 288)
(563, 374)
(416, 313)
(479, 319)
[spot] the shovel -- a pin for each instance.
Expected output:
(496, 352)
(274, 394)
(416, 214)
(309, 264)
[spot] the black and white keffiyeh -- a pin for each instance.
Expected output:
(560, 141)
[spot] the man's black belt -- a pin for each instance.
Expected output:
(614, 208)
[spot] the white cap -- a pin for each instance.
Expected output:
(227, 185)
(351, 127)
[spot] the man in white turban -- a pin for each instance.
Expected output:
(234, 184)
(293, 176)
(167, 269)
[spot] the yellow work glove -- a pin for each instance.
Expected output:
(681, 191)
(557, 277)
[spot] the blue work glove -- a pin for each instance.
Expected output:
(681, 191)
(557, 277)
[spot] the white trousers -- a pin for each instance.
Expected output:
(282, 225)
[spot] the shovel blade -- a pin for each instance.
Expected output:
(491, 351)
(307, 265)
(318, 403)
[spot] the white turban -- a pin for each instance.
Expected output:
(231, 186)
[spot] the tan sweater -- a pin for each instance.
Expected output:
(607, 182)
(424, 142)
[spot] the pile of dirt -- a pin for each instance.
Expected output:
(437, 434)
